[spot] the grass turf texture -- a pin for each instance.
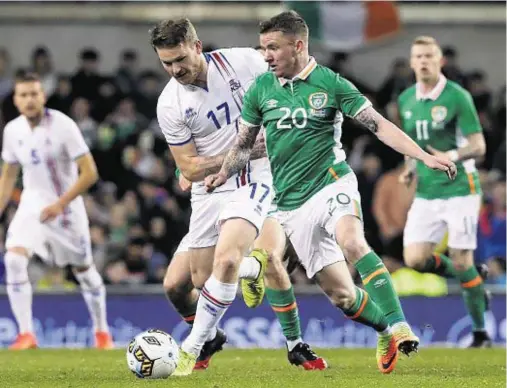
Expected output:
(435, 368)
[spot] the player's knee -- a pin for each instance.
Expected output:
(415, 259)
(175, 287)
(227, 260)
(354, 248)
(343, 298)
(19, 251)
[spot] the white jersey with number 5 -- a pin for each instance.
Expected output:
(209, 116)
(47, 156)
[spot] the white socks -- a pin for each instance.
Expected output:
(215, 299)
(292, 344)
(19, 290)
(249, 268)
(94, 294)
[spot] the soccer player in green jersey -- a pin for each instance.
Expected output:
(440, 116)
(300, 104)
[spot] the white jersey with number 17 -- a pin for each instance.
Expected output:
(210, 116)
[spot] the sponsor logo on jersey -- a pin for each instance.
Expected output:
(318, 112)
(317, 100)
(189, 113)
(271, 104)
(438, 113)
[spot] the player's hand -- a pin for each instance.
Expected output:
(406, 177)
(185, 184)
(51, 212)
(214, 180)
(441, 163)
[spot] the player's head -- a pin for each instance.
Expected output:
(426, 58)
(178, 48)
(284, 40)
(29, 96)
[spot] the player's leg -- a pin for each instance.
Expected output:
(424, 229)
(462, 214)
(23, 236)
(345, 223)
(356, 304)
(94, 294)
(280, 295)
(219, 291)
(19, 292)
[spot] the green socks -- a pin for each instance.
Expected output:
(365, 311)
(377, 282)
(285, 307)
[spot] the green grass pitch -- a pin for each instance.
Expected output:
(433, 368)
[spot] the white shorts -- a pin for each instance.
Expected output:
(428, 220)
(57, 245)
(183, 246)
(250, 202)
(311, 228)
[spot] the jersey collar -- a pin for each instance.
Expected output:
(434, 93)
(303, 75)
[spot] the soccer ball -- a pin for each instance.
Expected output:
(153, 354)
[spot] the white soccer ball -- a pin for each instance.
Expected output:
(153, 354)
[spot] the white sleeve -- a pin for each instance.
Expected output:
(256, 62)
(74, 141)
(175, 131)
(8, 154)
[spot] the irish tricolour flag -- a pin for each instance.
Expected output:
(345, 25)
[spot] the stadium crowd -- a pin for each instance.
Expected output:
(138, 214)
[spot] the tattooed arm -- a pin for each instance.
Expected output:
(240, 153)
(395, 138)
(237, 157)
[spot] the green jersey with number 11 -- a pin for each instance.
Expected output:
(303, 118)
(441, 119)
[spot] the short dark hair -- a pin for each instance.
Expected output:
(24, 76)
(288, 22)
(171, 33)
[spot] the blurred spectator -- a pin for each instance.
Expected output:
(43, 66)
(86, 82)
(126, 75)
(492, 225)
(80, 112)
(108, 98)
(399, 79)
(9, 110)
(340, 63)
(62, 97)
(147, 94)
(391, 202)
(367, 178)
(497, 270)
(451, 67)
(6, 80)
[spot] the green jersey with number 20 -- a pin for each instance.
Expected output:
(442, 119)
(303, 118)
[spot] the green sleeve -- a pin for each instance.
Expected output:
(468, 119)
(251, 112)
(177, 173)
(349, 99)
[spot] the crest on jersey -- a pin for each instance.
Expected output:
(317, 100)
(438, 113)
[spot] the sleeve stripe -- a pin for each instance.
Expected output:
(366, 104)
(182, 143)
(244, 122)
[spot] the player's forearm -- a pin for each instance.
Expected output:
(85, 180)
(202, 166)
(241, 152)
(390, 134)
(6, 188)
(475, 148)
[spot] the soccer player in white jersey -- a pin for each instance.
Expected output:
(197, 112)
(51, 218)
